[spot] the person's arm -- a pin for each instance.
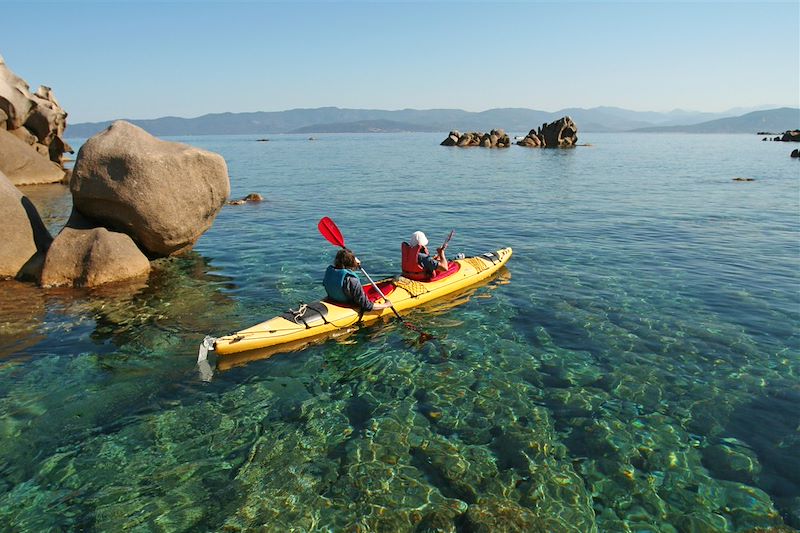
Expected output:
(355, 293)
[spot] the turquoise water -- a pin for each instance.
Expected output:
(635, 368)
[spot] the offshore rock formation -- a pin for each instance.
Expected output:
(791, 136)
(493, 139)
(31, 131)
(562, 133)
(165, 195)
(24, 239)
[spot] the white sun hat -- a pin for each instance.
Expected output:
(418, 239)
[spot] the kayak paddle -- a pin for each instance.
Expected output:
(447, 240)
(330, 231)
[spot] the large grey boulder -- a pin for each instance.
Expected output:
(84, 255)
(24, 239)
(163, 194)
(22, 164)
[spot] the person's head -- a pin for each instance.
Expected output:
(418, 239)
(346, 259)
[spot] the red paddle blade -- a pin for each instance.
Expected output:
(329, 230)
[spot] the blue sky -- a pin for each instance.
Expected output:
(147, 59)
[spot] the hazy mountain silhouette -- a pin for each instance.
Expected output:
(513, 120)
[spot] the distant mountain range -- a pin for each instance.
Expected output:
(513, 120)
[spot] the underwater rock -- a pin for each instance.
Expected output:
(491, 515)
(732, 463)
(22, 312)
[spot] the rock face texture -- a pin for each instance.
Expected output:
(24, 239)
(83, 255)
(163, 194)
(38, 122)
(23, 165)
(493, 139)
(562, 133)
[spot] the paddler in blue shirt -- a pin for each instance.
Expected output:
(343, 286)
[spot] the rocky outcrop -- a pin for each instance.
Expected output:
(165, 195)
(795, 153)
(23, 165)
(253, 197)
(85, 255)
(791, 136)
(24, 239)
(493, 139)
(563, 133)
(531, 140)
(38, 122)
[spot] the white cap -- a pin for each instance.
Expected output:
(418, 239)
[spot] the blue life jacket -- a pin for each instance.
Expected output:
(334, 282)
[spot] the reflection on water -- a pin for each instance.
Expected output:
(634, 369)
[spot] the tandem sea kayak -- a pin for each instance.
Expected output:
(296, 328)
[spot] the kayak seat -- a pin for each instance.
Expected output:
(387, 287)
(452, 268)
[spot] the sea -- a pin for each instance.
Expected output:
(635, 367)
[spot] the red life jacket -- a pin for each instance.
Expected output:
(410, 263)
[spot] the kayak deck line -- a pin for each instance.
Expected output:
(295, 329)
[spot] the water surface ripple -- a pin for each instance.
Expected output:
(636, 367)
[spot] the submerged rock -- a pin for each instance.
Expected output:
(165, 195)
(732, 463)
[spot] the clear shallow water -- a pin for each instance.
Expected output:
(636, 367)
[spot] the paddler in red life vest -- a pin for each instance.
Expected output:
(342, 283)
(417, 262)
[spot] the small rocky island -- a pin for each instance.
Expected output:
(562, 133)
(493, 139)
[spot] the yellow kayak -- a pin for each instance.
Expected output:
(296, 328)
